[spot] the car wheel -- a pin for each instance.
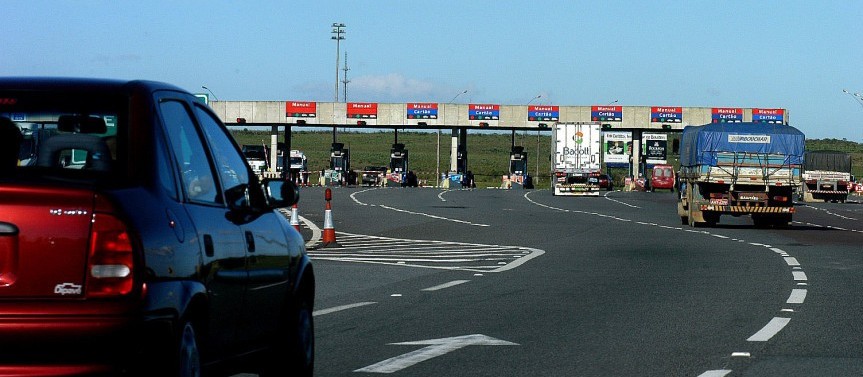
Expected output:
(294, 352)
(188, 357)
(303, 352)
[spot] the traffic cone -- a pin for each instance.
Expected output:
(295, 218)
(329, 234)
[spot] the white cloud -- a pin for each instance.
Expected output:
(392, 87)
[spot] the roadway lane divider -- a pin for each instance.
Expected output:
(334, 309)
(776, 324)
(445, 285)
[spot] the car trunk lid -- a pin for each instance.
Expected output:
(44, 241)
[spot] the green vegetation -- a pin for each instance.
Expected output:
(488, 154)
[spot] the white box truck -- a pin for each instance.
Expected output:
(575, 148)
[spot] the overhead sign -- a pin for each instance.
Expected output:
(726, 115)
(362, 110)
(655, 148)
(543, 113)
(203, 98)
(666, 114)
(606, 113)
(483, 112)
(617, 147)
(774, 116)
(422, 111)
(301, 109)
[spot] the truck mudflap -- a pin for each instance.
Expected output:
(745, 209)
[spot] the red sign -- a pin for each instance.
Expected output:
(779, 112)
(606, 113)
(301, 109)
(483, 112)
(726, 115)
(422, 111)
(666, 114)
(363, 110)
(776, 116)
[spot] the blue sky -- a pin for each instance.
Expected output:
(793, 54)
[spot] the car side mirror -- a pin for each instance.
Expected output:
(281, 193)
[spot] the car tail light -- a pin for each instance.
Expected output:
(780, 198)
(111, 258)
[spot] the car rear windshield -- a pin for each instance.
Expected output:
(73, 136)
(662, 172)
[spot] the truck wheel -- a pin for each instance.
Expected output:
(711, 218)
(760, 221)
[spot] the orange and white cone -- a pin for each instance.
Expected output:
(329, 234)
(295, 218)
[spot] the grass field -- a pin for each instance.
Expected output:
(488, 154)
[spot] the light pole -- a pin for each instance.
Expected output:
(338, 31)
(857, 97)
(437, 156)
(537, 140)
(211, 92)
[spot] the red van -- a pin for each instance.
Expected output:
(662, 178)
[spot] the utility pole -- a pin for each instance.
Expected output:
(345, 81)
(338, 35)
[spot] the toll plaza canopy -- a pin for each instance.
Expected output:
(414, 115)
(700, 144)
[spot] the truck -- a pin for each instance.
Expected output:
(575, 148)
(739, 169)
(256, 156)
(299, 167)
(826, 176)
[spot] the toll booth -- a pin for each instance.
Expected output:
(518, 176)
(398, 165)
(340, 165)
(461, 159)
(518, 161)
(399, 158)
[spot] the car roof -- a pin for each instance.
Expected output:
(83, 84)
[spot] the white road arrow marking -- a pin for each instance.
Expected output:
(436, 347)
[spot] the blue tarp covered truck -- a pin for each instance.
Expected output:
(739, 169)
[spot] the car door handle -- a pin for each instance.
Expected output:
(208, 245)
(250, 241)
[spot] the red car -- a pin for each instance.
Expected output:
(136, 240)
(662, 178)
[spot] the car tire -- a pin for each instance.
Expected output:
(294, 351)
(188, 357)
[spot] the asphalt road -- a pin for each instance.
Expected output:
(521, 283)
